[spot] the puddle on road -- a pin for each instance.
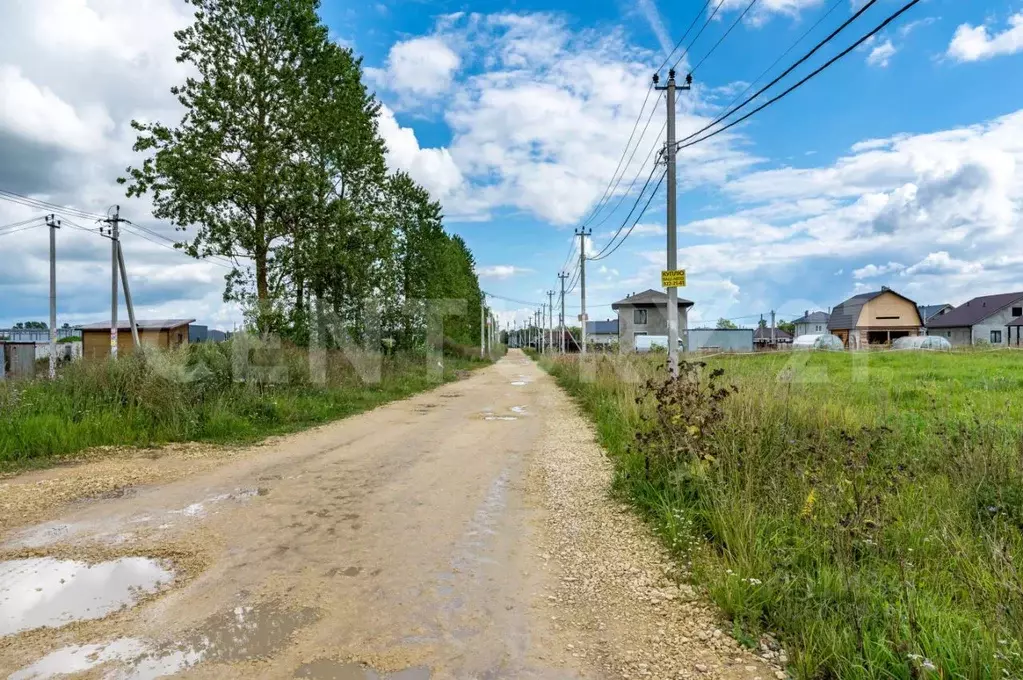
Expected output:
(519, 383)
(46, 592)
(499, 418)
(328, 669)
(237, 635)
(521, 410)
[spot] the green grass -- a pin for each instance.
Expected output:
(866, 508)
(192, 395)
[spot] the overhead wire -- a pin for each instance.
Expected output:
(698, 34)
(725, 35)
(880, 27)
(787, 71)
(38, 203)
(635, 222)
(683, 38)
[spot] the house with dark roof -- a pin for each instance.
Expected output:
(765, 336)
(646, 313)
(928, 312)
(811, 323)
(983, 320)
(602, 332)
(875, 318)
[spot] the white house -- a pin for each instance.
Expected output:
(812, 324)
(983, 320)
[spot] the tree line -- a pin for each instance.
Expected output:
(278, 165)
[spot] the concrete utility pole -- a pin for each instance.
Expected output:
(672, 234)
(582, 234)
(127, 296)
(483, 326)
(115, 233)
(562, 276)
(54, 225)
(773, 339)
(550, 320)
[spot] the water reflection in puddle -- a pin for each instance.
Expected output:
(236, 635)
(48, 592)
(328, 669)
(499, 418)
(521, 410)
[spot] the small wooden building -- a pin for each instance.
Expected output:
(875, 318)
(161, 333)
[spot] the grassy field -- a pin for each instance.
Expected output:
(867, 509)
(192, 395)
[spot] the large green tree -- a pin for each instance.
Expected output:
(226, 168)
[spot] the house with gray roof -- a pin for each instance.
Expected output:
(602, 333)
(983, 320)
(646, 313)
(875, 318)
(928, 312)
(811, 323)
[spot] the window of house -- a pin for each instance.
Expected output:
(996, 337)
(639, 316)
(948, 334)
(1017, 311)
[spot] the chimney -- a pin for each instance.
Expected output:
(884, 288)
(807, 313)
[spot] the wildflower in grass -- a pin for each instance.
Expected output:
(811, 500)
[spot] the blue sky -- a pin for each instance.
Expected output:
(902, 165)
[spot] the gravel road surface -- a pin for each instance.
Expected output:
(464, 533)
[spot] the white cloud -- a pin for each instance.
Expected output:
(420, 67)
(881, 54)
(501, 271)
(872, 271)
(974, 43)
(942, 263)
(648, 8)
(432, 167)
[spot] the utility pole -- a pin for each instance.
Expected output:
(115, 234)
(127, 297)
(483, 326)
(542, 327)
(562, 276)
(672, 234)
(54, 225)
(582, 234)
(773, 339)
(550, 319)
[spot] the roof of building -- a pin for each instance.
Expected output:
(846, 315)
(976, 310)
(927, 311)
(649, 297)
(609, 327)
(813, 317)
(142, 324)
(763, 333)
(1018, 321)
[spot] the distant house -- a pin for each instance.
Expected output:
(928, 312)
(197, 334)
(811, 323)
(646, 313)
(983, 320)
(162, 333)
(875, 318)
(763, 337)
(602, 332)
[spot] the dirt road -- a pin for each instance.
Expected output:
(464, 533)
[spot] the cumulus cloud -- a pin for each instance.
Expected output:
(501, 271)
(881, 54)
(872, 271)
(975, 43)
(422, 67)
(434, 168)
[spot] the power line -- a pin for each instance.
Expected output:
(784, 54)
(28, 201)
(698, 33)
(638, 218)
(722, 38)
(211, 260)
(682, 39)
(787, 71)
(15, 231)
(880, 27)
(600, 255)
(18, 224)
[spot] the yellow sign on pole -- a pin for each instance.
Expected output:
(673, 278)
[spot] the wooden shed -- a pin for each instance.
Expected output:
(161, 333)
(875, 318)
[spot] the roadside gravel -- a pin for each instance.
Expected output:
(617, 589)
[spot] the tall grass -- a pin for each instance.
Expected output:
(194, 394)
(871, 515)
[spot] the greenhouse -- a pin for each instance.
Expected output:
(928, 342)
(823, 341)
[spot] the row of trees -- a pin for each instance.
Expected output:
(277, 164)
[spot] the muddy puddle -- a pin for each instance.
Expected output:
(240, 634)
(328, 669)
(499, 418)
(113, 532)
(47, 592)
(520, 410)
